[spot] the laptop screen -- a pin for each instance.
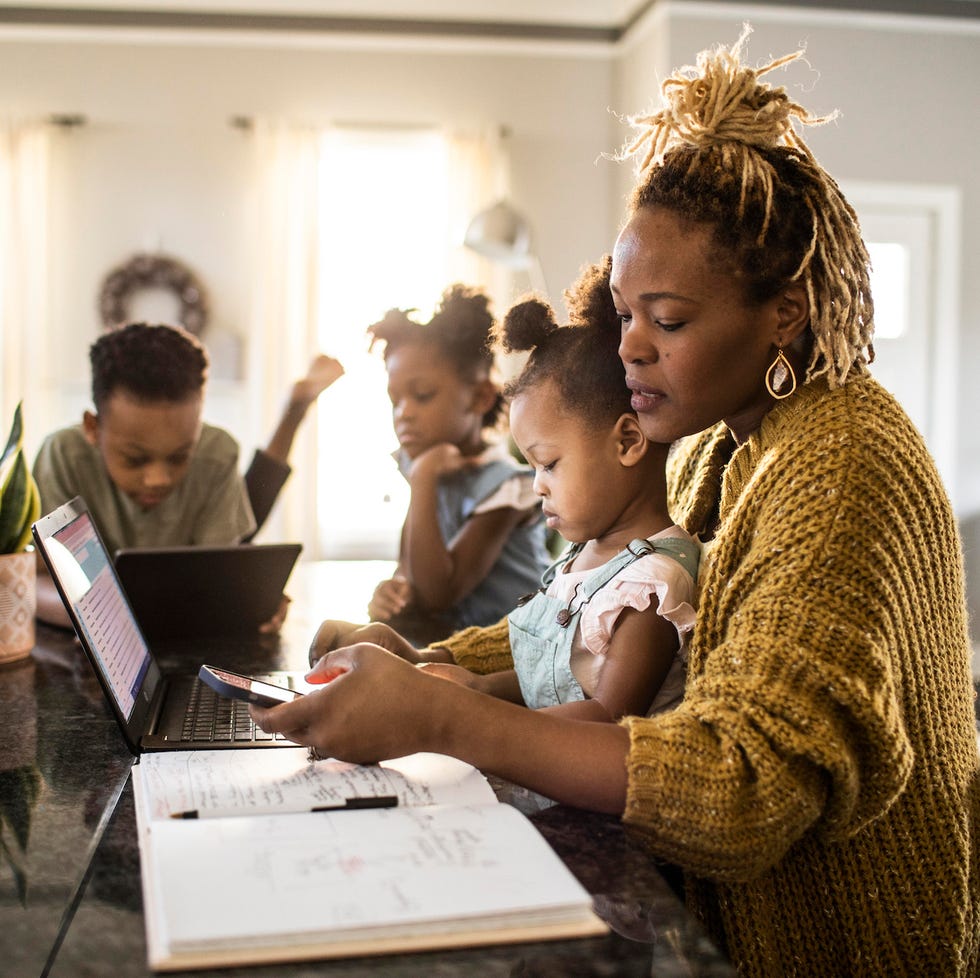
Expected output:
(78, 558)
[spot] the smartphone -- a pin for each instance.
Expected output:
(238, 687)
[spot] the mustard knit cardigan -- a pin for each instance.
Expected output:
(820, 783)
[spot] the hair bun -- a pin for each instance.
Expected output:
(526, 325)
(394, 317)
(720, 103)
(464, 320)
(464, 302)
(395, 324)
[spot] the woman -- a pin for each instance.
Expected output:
(818, 784)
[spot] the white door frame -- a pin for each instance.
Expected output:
(943, 204)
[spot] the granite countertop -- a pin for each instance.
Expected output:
(70, 897)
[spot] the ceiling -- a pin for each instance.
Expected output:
(582, 20)
(597, 13)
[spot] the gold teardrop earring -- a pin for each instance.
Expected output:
(776, 376)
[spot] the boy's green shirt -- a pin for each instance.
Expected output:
(210, 506)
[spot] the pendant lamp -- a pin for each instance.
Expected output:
(502, 234)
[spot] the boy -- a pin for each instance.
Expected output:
(150, 471)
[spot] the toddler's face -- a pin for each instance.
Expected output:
(146, 445)
(575, 465)
(430, 403)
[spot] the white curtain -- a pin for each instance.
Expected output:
(289, 243)
(284, 307)
(479, 177)
(24, 161)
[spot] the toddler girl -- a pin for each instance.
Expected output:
(473, 540)
(605, 636)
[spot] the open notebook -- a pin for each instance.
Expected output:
(446, 866)
(154, 711)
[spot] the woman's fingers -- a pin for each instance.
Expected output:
(332, 634)
(304, 713)
(371, 708)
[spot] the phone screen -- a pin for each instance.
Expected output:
(236, 686)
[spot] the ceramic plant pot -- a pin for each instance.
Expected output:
(18, 603)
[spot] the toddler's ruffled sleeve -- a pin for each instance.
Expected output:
(652, 577)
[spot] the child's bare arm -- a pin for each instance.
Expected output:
(442, 574)
(503, 685)
(469, 557)
(640, 654)
(423, 552)
(320, 374)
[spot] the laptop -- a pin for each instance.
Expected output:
(197, 592)
(154, 711)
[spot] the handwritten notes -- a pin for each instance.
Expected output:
(272, 881)
(370, 871)
(250, 782)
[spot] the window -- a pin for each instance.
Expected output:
(385, 242)
(891, 280)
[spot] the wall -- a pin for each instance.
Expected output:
(158, 165)
(906, 91)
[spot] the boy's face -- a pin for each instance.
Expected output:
(146, 445)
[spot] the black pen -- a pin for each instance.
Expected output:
(350, 804)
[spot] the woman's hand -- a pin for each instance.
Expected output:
(374, 706)
(391, 597)
(334, 634)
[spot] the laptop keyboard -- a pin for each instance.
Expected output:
(217, 719)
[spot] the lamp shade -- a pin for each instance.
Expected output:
(499, 232)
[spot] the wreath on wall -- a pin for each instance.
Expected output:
(145, 271)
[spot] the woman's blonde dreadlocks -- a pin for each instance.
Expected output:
(724, 150)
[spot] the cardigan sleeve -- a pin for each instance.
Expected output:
(481, 650)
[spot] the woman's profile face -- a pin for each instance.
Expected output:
(695, 350)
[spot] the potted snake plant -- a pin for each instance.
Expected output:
(20, 506)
